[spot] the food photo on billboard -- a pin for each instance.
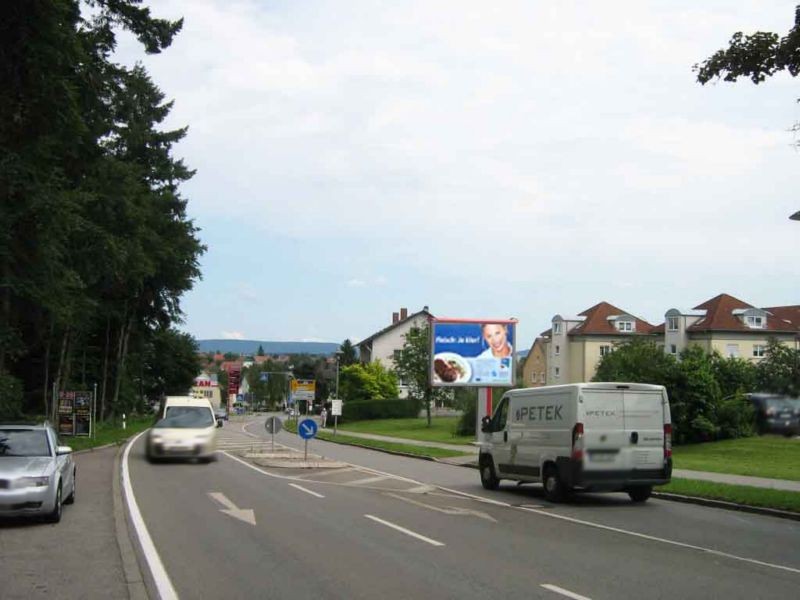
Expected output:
(470, 352)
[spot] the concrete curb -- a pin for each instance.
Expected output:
(759, 510)
(771, 512)
(137, 589)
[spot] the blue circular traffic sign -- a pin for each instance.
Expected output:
(307, 429)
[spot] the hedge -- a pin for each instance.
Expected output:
(378, 409)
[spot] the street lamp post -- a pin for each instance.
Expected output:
(336, 417)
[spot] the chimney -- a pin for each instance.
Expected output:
(395, 318)
(403, 314)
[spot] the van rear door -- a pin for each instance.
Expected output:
(644, 428)
(604, 429)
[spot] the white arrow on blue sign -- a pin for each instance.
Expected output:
(307, 429)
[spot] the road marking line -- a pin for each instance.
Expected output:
(302, 489)
(375, 479)
(406, 531)
(553, 515)
(567, 593)
(325, 473)
(160, 577)
(243, 514)
(447, 510)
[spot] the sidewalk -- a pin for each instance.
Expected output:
(471, 460)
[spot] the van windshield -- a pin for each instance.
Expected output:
(186, 417)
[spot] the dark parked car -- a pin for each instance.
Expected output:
(776, 413)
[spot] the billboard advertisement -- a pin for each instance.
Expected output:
(303, 389)
(471, 352)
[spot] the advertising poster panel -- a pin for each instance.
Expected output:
(470, 352)
(303, 389)
(66, 414)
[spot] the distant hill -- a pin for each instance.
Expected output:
(250, 347)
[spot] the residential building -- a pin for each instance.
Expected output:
(731, 327)
(206, 385)
(382, 345)
(574, 345)
(534, 368)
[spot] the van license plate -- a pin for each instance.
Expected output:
(602, 457)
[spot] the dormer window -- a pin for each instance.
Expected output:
(754, 321)
(672, 323)
(625, 325)
(557, 328)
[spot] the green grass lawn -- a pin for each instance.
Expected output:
(739, 494)
(343, 438)
(441, 430)
(108, 433)
(765, 456)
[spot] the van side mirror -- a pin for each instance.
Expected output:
(486, 424)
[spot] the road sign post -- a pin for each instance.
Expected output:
(307, 429)
(273, 425)
(336, 411)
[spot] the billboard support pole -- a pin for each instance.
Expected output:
(484, 408)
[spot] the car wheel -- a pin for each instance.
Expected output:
(489, 479)
(640, 493)
(55, 516)
(554, 489)
(71, 498)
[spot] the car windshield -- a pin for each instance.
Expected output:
(23, 442)
(778, 403)
(186, 417)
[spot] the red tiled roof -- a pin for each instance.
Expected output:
(658, 328)
(597, 322)
(787, 313)
(720, 317)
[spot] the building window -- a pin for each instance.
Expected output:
(672, 323)
(625, 326)
(759, 350)
(754, 321)
(673, 349)
(605, 350)
(558, 350)
(557, 328)
(558, 371)
(533, 377)
(732, 350)
(541, 377)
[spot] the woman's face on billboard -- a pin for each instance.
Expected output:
(496, 336)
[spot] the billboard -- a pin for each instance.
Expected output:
(303, 389)
(471, 352)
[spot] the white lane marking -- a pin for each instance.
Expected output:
(302, 489)
(243, 514)
(325, 473)
(406, 531)
(553, 515)
(163, 584)
(375, 479)
(447, 510)
(562, 591)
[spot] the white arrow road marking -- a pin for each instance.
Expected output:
(243, 514)
(563, 592)
(302, 489)
(406, 531)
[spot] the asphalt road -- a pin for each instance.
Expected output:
(409, 530)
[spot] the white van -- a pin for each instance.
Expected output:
(583, 436)
(187, 429)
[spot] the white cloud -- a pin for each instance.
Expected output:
(232, 335)
(356, 283)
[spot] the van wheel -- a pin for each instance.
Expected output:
(641, 493)
(554, 488)
(489, 478)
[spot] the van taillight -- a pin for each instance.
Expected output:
(667, 440)
(577, 442)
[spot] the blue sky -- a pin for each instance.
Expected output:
(514, 159)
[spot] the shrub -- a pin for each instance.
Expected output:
(10, 397)
(378, 409)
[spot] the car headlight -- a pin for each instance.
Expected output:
(155, 438)
(28, 482)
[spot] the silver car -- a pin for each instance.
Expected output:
(37, 475)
